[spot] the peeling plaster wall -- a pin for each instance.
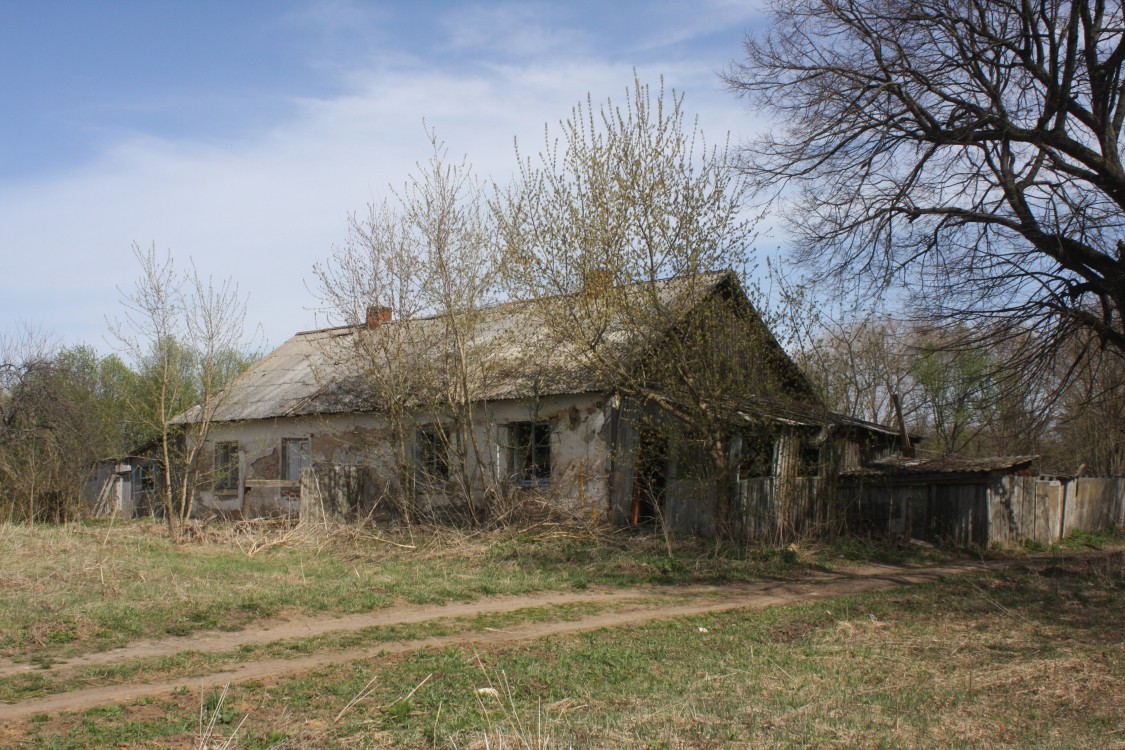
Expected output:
(580, 446)
(580, 463)
(340, 439)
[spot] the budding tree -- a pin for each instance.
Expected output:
(185, 334)
(425, 258)
(620, 198)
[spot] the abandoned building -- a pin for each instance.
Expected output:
(124, 485)
(623, 403)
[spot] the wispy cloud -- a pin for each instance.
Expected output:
(514, 30)
(264, 204)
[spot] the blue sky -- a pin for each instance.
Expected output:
(240, 134)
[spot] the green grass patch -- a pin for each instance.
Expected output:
(85, 587)
(1080, 539)
(1032, 657)
(190, 663)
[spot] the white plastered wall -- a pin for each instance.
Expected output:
(579, 452)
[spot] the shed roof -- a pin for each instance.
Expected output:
(945, 465)
(798, 413)
(511, 350)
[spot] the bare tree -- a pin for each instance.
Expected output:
(376, 275)
(965, 399)
(858, 366)
(964, 152)
(446, 206)
(1089, 420)
(185, 334)
(425, 261)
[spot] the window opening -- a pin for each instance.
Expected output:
(295, 452)
(432, 454)
(144, 478)
(757, 456)
(529, 453)
(226, 466)
(809, 465)
(650, 478)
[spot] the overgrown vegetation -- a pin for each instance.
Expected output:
(1019, 658)
(656, 202)
(126, 581)
(973, 400)
(64, 410)
(61, 409)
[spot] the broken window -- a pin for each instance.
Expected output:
(756, 456)
(295, 457)
(529, 453)
(226, 466)
(144, 478)
(809, 465)
(432, 454)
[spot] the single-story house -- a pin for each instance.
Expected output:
(592, 401)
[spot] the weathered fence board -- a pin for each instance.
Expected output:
(955, 513)
(1009, 511)
(1094, 503)
(773, 510)
(1025, 508)
(689, 506)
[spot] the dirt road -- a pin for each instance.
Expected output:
(650, 604)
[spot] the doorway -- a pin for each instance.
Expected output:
(650, 479)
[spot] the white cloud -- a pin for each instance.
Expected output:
(513, 30)
(263, 209)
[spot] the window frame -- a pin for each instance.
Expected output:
(306, 450)
(143, 477)
(529, 453)
(808, 459)
(227, 466)
(431, 455)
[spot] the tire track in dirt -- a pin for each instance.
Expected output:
(260, 634)
(266, 632)
(712, 599)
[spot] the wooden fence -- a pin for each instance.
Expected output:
(1046, 510)
(956, 513)
(1008, 510)
(776, 510)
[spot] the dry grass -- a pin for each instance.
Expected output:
(84, 587)
(1024, 659)
(1027, 658)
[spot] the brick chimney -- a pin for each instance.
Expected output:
(377, 315)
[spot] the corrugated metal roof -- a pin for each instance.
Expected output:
(337, 370)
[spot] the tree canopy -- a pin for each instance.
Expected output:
(968, 148)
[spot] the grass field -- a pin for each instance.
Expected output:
(1027, 657)
(86, 587)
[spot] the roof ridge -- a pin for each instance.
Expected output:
(718, 276)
